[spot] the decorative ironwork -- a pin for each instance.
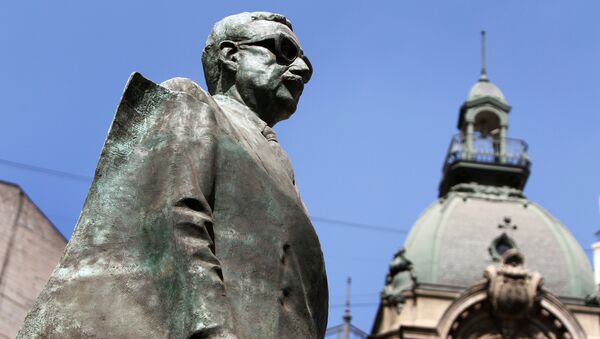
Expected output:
(489, 150)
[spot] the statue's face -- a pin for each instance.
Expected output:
(271, 71)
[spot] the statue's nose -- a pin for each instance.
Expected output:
(302, 68)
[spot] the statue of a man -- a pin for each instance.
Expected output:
(193, 226)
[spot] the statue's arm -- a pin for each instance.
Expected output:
(194, 236)
(183, 154)
(192, 165)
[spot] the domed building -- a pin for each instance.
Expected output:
(483, 261)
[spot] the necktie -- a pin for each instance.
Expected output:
(280, 154)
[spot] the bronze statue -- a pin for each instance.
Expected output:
(193, 226)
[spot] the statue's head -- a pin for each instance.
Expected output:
(256, 58)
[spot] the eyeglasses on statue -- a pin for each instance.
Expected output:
(285, 49)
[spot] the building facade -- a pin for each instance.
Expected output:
(484, 261)
(30, 248)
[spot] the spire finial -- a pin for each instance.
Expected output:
(347, 316)
(483, 76)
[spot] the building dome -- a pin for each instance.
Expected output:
(461, 234)
(483, 261)
(485, 89)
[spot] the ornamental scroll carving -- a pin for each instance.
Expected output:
(401, 276)
(513, 291)
(509, 304)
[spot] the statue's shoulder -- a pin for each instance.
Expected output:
(187, 86)
(173, 101)
(138, 86)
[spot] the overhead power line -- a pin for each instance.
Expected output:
(45, 170)
(359, 225)
(86, 179)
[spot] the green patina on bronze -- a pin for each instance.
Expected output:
(193, 226)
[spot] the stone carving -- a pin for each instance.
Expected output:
(193, 226)
(489, 192)
(401, 274)
(593, 299)
(399, 264)
(500, 245)
(510, 304)
(512, 291)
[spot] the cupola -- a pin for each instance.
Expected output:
(481, 152)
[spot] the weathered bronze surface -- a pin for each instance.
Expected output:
(193, 226)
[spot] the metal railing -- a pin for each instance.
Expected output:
(488, 150)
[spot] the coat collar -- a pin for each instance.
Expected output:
(232, 104)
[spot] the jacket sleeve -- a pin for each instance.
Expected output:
(188, 160)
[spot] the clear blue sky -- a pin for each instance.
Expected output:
(372, 128)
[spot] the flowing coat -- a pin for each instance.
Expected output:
(192, 228)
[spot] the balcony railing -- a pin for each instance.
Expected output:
(488, 150)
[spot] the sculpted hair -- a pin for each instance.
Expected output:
(232, 28)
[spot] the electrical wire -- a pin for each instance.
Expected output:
(45, 170)
(358, 225)
(86, 179)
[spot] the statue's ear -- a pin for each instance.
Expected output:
(228, 55)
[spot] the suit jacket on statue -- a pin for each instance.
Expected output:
(193, 227)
